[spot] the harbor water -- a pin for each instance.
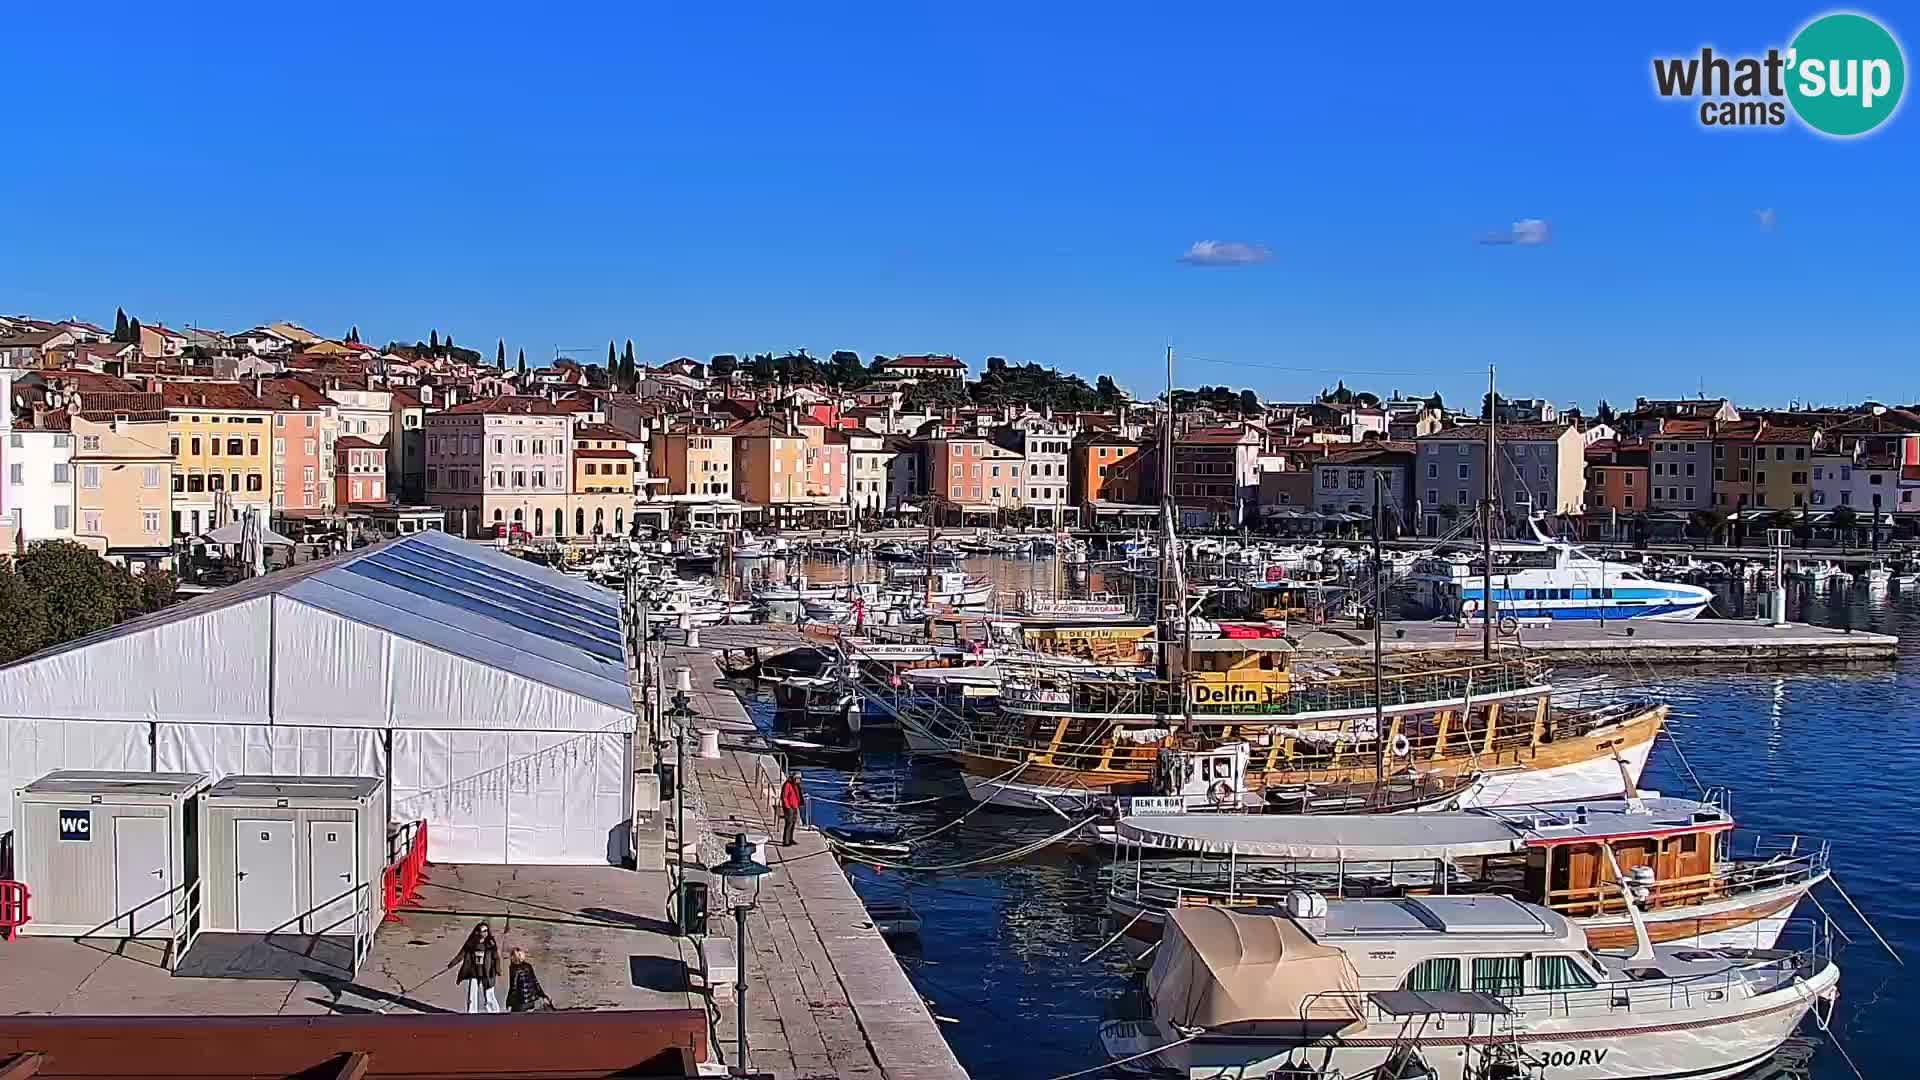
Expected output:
(1004, 958)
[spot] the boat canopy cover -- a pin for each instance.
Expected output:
(1437, 1003)
(1217, 968)
(1306, 838)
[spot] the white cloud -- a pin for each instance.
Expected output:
(1527, 232)
(1225, 253)
(1767, 219)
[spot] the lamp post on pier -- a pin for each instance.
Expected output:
(740, 878)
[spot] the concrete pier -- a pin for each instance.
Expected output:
(825, 994)
(1700, 642)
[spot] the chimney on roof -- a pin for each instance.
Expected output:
(296, 401)
(426, 394)
(256, 384)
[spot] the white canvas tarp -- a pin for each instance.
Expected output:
(1306, 838)
(531, 797)
(504, 685)
(199, 664)
(223, 750)
(30, 749)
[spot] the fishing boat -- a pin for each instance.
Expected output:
(953, 588)
(895, 551)
(1062, 738)
(698, 560)
(802, 590)
(1452, 988)
(700, 612)
(1696, 879)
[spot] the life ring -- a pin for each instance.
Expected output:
(1221, 792)
(1402, 746)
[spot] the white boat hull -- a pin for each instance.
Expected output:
(1595, 778)
(1700, 1039)
(1011, 794)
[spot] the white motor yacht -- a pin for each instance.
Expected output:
(1452, 987)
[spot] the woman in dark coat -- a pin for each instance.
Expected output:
(524, 993)
(479, 962)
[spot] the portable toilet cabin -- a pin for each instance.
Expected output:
(294, 855)
(108, 854)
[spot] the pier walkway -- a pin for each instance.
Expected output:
(1640, 641)
(825, 994)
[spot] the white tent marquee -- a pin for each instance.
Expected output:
(491, 694)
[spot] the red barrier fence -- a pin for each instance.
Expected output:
(16, 907)
(408, 866)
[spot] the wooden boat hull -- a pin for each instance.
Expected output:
(1748, 921)
(1583, 767)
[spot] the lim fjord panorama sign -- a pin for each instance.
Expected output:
(1842, 75)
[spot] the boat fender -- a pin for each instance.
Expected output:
(1222, 792)
(1402, 746)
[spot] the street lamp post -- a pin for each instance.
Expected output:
(740, 876)
(682, 683)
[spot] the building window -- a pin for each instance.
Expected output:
(234, 447)
(152, 521)
(63, 473)
(89, 476)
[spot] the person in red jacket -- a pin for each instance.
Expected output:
(790, 799)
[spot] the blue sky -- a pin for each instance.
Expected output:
(978, 179)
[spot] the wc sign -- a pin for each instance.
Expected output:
(76, 825)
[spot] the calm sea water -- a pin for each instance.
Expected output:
(1824, 753)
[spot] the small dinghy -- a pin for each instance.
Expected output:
(869, 839)
(894, 920)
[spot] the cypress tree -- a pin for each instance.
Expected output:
(120, 324)
(613, 361)
(500, 354)
(433, 342)
(632, 369)
(133, 331)
(523, 363)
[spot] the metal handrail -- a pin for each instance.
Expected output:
(187, 927)
(1608, 998)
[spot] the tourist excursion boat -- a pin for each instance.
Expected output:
(1062, 738)
(1551, 579)
(1452, 988)
(1695, 879)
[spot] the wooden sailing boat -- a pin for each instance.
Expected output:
(1403, 728)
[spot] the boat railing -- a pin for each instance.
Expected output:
(1256, 885)
(1031, 689)
(1754, 971)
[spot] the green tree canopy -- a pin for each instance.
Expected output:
(59, 590)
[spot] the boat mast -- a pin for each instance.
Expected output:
(1172, 592)
(932, 531)
(1486, 527)
(1379, 616)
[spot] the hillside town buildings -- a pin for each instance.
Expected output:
(140, 448)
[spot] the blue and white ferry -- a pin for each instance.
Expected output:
(1552, 579)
